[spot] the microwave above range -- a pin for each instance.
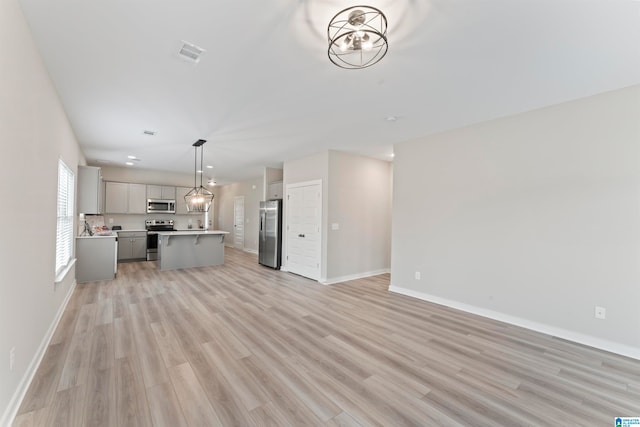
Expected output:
(161, 206)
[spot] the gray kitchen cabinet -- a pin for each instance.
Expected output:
(116, 197)
(122, 197)
(132, 245)
(161, 192)
(274, 190)
(95, 258)
(137, 199)
(90, 190)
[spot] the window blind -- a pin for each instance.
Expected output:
(64, 233)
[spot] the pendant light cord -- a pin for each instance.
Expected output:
(201, 163)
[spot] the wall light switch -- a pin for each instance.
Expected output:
(335, 226)
(110, 220)
(418, 275)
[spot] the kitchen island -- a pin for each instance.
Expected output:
(193, 248)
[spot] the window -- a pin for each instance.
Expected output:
(64, 234)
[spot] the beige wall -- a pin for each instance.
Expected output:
(356, 195)
(145, 176)
(533, 218)
(310, 168)
(251, 190)
(360, 204)
(34, 133)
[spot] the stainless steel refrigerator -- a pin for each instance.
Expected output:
(270, 239)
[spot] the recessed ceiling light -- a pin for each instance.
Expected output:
(132, 157)
(212, 183)
(209, 167)
(149, 132)
(199, 171)
(129, 163)
(393, 154)
(392, 118)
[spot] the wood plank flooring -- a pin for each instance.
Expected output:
(243, 345)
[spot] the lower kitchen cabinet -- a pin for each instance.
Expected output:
(132, 245)
(95, 258)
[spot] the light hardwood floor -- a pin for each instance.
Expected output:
(243, 345)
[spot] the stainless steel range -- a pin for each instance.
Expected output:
(153, 226)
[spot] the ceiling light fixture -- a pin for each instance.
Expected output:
(198, 199)
(209, 167)
(132, 157)
(129, 163)
(357, 37)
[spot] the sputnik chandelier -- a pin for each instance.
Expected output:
(357, 37)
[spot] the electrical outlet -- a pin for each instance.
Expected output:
(600, 312)
(12, 358)
(110, 220)
(418, 275)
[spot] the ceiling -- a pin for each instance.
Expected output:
(265, 92)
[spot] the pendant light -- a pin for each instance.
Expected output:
(198, 199)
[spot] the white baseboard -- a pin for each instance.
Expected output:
(340, 279)
(577, 337)
(15, 402)
(251, 251)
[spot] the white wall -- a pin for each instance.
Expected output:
(251, 190)
(534, 218)
(359, 193)
(34, 134)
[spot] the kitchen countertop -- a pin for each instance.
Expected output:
(95, 236)
(131, 230)
(190, 232)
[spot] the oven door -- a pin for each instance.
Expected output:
(152, 246)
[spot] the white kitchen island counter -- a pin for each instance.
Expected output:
(192, 248)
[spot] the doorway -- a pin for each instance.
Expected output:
(238, 222)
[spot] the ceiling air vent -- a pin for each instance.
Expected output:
(190, 52)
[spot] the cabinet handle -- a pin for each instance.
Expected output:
(300, 235)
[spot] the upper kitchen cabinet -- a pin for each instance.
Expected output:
(161, 192)
(89, 190)
(121, 197)
(275, 190)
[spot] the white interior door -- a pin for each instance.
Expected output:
(238, 222)
(304, 229)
